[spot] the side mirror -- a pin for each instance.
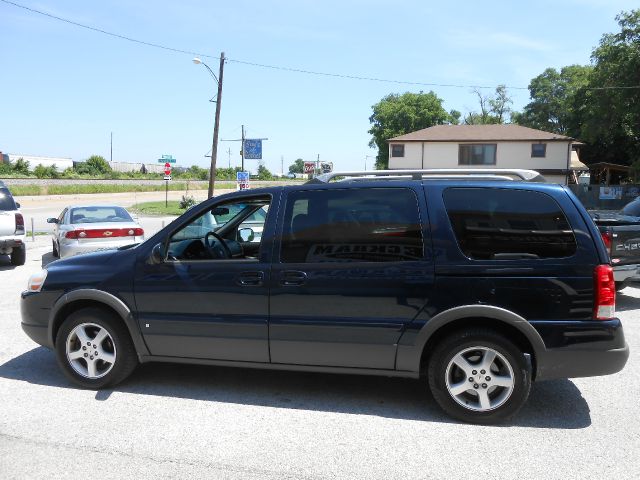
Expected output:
(246, 234)
(157, 255)
(52, 220)
(17, 204)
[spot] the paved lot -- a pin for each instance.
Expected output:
(199, 422)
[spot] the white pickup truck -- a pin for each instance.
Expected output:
(11, 228)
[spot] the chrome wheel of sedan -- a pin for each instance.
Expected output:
(91, 350)
(479, 378)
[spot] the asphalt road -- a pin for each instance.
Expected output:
(39, 208)
(171, 421)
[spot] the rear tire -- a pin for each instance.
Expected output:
(94, 349)
(479, 376)
(19, 255)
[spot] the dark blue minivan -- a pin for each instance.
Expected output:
(478, 282)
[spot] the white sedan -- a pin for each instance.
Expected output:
(80, 229)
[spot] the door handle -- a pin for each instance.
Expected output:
(251, 279)
(292, 278)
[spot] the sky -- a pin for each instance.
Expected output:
(64, 89)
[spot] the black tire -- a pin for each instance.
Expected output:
(56, 253)
(118, 343)
(466, 342)
(18, 255)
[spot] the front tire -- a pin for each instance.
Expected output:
(19, 255)
(94, 349)
(479, 376)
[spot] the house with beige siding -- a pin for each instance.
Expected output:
(487, 146)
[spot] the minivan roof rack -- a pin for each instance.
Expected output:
(482, 173)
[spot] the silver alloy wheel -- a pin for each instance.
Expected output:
(91, 351)
(479, 378)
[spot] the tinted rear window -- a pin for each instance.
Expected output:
(353, 225)
(99, 215)
(502, 224)
(6, 200)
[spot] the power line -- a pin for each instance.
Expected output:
(277, 67)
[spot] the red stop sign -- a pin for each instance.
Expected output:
(167, 168)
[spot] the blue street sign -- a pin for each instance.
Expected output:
(242, 177)
(253, 149)
(167, 159)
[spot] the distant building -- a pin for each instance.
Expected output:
(137, 167)
(60, 163)
(488, 146)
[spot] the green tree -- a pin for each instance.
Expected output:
(46, 172)
(555, 100)
(611, 120)
(21, 167)
(94, 165)
(396, 115)
(297, 166)
(264, 173)
(493, 109)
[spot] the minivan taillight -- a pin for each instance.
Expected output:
(604, 289)
(607, 238)
(19, 224)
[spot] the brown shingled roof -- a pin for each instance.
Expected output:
(478, 133)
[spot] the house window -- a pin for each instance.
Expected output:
(478, 154)
(539, 150)
(397, 150)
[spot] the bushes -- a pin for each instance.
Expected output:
(46, 172)
(187, 201)
(94, 165)
(21, 167)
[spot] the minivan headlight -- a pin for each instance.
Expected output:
(36, 281)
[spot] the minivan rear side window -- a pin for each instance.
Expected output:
(6, 200)
(508, 224)
(352, 225)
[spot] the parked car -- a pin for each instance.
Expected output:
(621, 234)
(475, 286)
(81, 229)
(12, 233)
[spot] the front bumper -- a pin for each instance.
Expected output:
(623, 273)
(35, 308)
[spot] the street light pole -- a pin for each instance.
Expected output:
(216, 125)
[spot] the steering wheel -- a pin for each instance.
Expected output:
(215, 252)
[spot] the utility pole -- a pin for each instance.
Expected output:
(229, 153)
(242, 148)
(111, 157)
(241, 140)
(282, 165)
(318, 164)
(216, 128)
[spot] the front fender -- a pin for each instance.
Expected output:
(97, 297)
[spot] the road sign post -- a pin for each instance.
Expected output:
(242, 179)
(167, 160)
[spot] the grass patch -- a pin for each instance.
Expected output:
(158, 208)
(38, 234)
(22, 190)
